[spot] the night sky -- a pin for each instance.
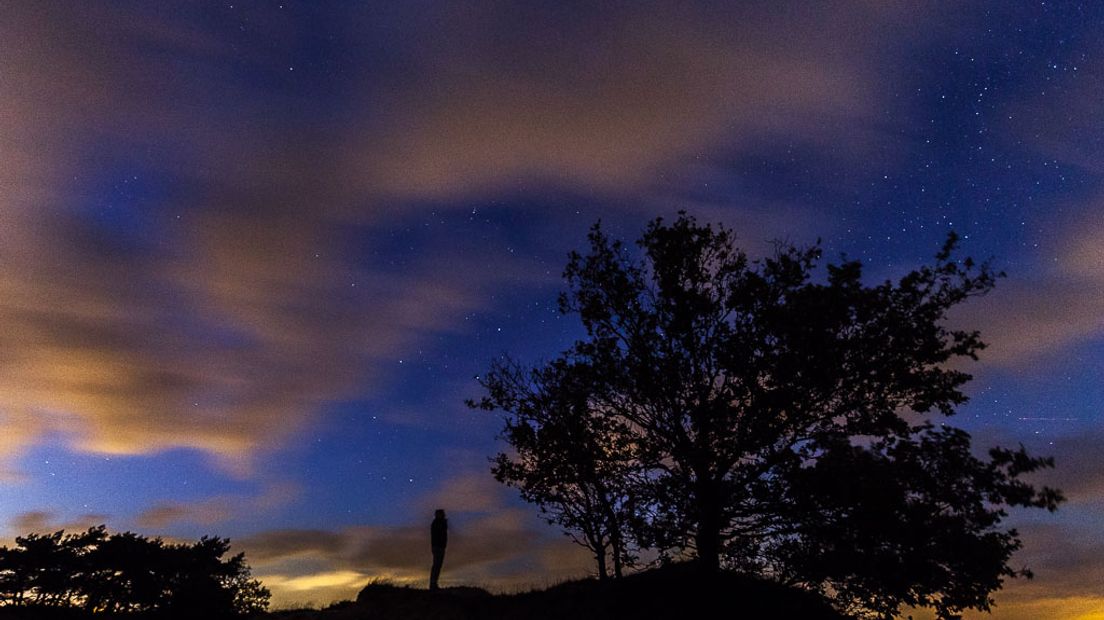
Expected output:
(253, 254)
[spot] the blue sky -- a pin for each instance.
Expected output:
(252, 254)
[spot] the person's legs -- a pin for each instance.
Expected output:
(435, 572)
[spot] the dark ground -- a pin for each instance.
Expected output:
(668, 593)
(674, 592)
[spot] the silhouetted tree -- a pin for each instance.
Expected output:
(904, 521)
(129, 573)
(132, 574)
(574, 465)
(768, 413)
(205, 584)
(47, 562)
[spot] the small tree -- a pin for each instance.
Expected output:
(574, 465)
(749, 395)
(202, 583)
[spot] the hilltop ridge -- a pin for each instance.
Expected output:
(671, 592)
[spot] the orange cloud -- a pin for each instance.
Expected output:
(216, 509)
(1041, 312)
(238, 310)
(492, 552)
(492, 544)
(610, 99)
(44, 522)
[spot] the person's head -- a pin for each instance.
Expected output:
(440, 514)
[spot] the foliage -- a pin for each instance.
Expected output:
(907, 521)
(756, 415)
(126, 572)
(574, 465)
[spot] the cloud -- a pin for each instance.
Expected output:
(474, 492)
(1068, 570)
(217, 509)
(1062, 549)
(203, 513)
(1054, 299)
(1057, 304)
(197, 240)
(44, 521)
(340, 579)
(219, 314)
(490, 551)
(1068, 561)
(606, 98)
(492, 543)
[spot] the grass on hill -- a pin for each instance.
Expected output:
(672, 592)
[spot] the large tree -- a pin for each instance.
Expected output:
(756, 392)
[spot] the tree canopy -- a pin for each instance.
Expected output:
(771, 415)
(118, 573)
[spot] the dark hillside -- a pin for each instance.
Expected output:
(674, 592)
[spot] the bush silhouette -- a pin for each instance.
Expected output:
(120, 573)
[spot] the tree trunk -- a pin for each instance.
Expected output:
(709, 549)
(617, 545)
(707, 539)
(613, 529)
(600, 557)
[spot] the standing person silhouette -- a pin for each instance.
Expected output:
(438, 540)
